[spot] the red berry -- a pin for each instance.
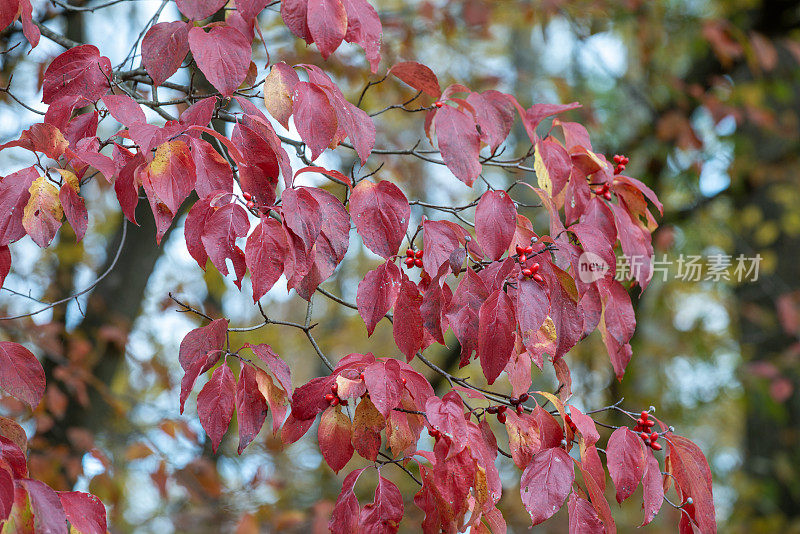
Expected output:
(250, 204)
(645, 436)
(329, 397)
(535, 267)
(654, 436)
(640, 422)
(607, 195)
(655, 446)
(520, 409)
(491, 409)
(598, 191)
(527, 272)
(523, 258)
(409, 262)
(528, 249)
(438, 103)
(344, 402)
(617, 158)
(538, 277)
(418, 254)
(247, 196)
(625, 160)
(650, 423)
(519, 249)
(410, 253)
(404, 380)
(418, 262)
(524, 397)
(361, 376)
(501, 417)
(502, 408)
(334, 387)
(514, 401)
(645, 416)
(434, 433)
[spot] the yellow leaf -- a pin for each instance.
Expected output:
(43, 213)
(542, 174)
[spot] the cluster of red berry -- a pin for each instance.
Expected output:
(500, 409)
(438, 103)
(533, 270)
(249, 200)
(643, 425)
(620, 162)
(413, 258)
(332, 398)
(604, 191)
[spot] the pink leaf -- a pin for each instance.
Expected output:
(223, 55)
(625, 455)
(200, 349)
(21, 374)
(314, 117)
(295, 16)
(327, 23)
(383, 515)
(381, 214)
(407, 328)
(221, 230)
(364, 29)
(377, 293)
(251, 407)
(546, 482)
(164, 47)
(344, 518)
(583, 518)
(215, 404)
(459, 143)
(496, 334)
(199, 9)
(85, 512)
(124, 109)
(494, 113)
(384, 384)
(495, 222)
(264, 254)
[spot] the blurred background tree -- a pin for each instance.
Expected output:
(702, 95)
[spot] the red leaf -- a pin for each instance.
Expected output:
(314, 117)
(295, 429)
(85, 512)
(546, 482)
(364, 29)
(495, 334)
(13, 458)
(652, 488)
(259, 175)
(407, 328)
(220, 232)
(418, 76)
(462, 313)
(533, 306)
(459, 143)
(344, 519)
(5, 263)
(494, 113)
(264, 253)
(334, 438)
(690, 469)
(327, 23)
(21, 374)
(583, 518)
(625, 460)
(550, 432)
(215, 404)
(495, 222)
(251, 407)
(212, 170)
(617, 324)
(274, 363)
(383, 515)
(523, 438)
(72, 204)
(441, 238)
(80, 71)
(164, 47)
(199, 9)
(295, 16)
(557, 164)
(41, 137)
(48, 513)
(585, 425)
(309, 399)
(223, 55)
(367, 425)
(381, 214)
(301, 213)
(377, 293)
(193, 228)
(200, 349)
(6, 494)
(384, 384)
(168, 180)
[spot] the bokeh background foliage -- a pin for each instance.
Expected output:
(702, 95)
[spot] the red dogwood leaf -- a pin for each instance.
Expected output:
(334, 438)
(585, 425)
(418, 76)
(314, 117)
(494, 113)
(168, 180)
(652, 486)
(199, 9)
(625, 455)
(164, 47)
(367, 425)
(301, 213)
(384, 384)
(43, 212)
(364, 29)
(80, 71)
(459, 143)
(495, 222)
(381, 214)
(200, 349)
(221, 230)
(692, 475)
(377, 293)
(495, 334)
(215, 404)
(327, 24)
(546, 483)
(85, 512)
(383, 515)
(251, 407)
(48, 513)
(264, 254)
(344, 518)
(21, 374)
(223, 55)
(41, 137)
(407, 327)
(5, 263)
(583, 518)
